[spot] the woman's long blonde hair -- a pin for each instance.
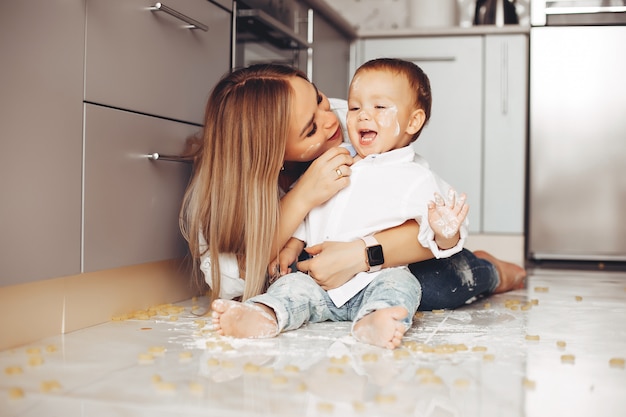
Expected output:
(233, 197)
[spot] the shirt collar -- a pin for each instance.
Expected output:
(404, 154)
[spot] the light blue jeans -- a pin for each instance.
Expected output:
(297, 299)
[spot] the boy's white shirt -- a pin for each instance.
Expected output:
(232, 285)
(385, 191)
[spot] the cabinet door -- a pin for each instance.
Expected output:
(41, 90)
(131, 203)
(452, 140)
(506, 74)
(151, 62)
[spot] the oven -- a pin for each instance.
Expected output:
(273, 32)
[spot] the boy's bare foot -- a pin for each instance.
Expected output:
(512, 277)
(382, 327)
(232, 318)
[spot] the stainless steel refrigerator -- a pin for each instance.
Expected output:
(577, 150)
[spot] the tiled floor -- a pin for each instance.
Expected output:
(497, 357)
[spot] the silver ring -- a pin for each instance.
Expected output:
(338, 171)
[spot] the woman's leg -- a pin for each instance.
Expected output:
(462, 278)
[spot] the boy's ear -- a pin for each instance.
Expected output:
(416, 121)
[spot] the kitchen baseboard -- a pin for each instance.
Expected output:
(509, 248)
(32, 311)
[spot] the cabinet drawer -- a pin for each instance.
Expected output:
(149, 61)
(131, 203)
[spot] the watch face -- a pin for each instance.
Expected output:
(375, 255)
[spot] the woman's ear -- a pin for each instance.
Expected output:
(416, 121)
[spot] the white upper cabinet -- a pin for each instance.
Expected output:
(476, 137)
(452, 139)
(506, 91)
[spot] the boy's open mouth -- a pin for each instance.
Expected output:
(367, 136)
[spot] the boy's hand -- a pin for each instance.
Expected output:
(446, 218)
(287, 256)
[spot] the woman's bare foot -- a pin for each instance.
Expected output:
(382, 327)
(512, 277)
(232, 318)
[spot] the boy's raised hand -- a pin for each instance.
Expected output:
(446, 217)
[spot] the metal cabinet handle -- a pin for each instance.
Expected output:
(172, 158)
(192, 23)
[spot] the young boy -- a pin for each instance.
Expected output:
(388, 105)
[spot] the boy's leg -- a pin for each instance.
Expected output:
(291, 301)
(387, 307)
(462, 278)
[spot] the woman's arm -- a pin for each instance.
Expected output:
(335, 263)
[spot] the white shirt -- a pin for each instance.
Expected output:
(385, 191)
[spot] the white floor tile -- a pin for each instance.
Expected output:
(496, 357)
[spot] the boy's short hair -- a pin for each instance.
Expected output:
(417, 78)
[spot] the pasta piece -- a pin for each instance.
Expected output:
(479, 349)
(157, 350)
(165, 386)
(334, 370)
(489, 357)
(13, 370)
(358, 406)
(325, 407)
(292, 369)
(461, 383)
(424, 372)
(35, 361)
(50, 386)
(196, 388)
(15, 393)
(431, 380)
(401, 354)
(228, 364)
(146, 358)
(251, 368)
(385, 399)
(280, 380)
(185, 356)
(541, 289)
(561, 344)
(533, 337)
(617, 363)
(370, 357)
(528, 384)
(341, 360)
(568, 358)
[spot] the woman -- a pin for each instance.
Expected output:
(263, 125)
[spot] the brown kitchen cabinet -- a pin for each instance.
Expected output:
(88, 90)
(41, 114)
(131, 203)
(149, 61)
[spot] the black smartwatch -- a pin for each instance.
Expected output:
(374, 253)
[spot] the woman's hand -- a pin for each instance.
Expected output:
(334, 263)
(328, 174)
